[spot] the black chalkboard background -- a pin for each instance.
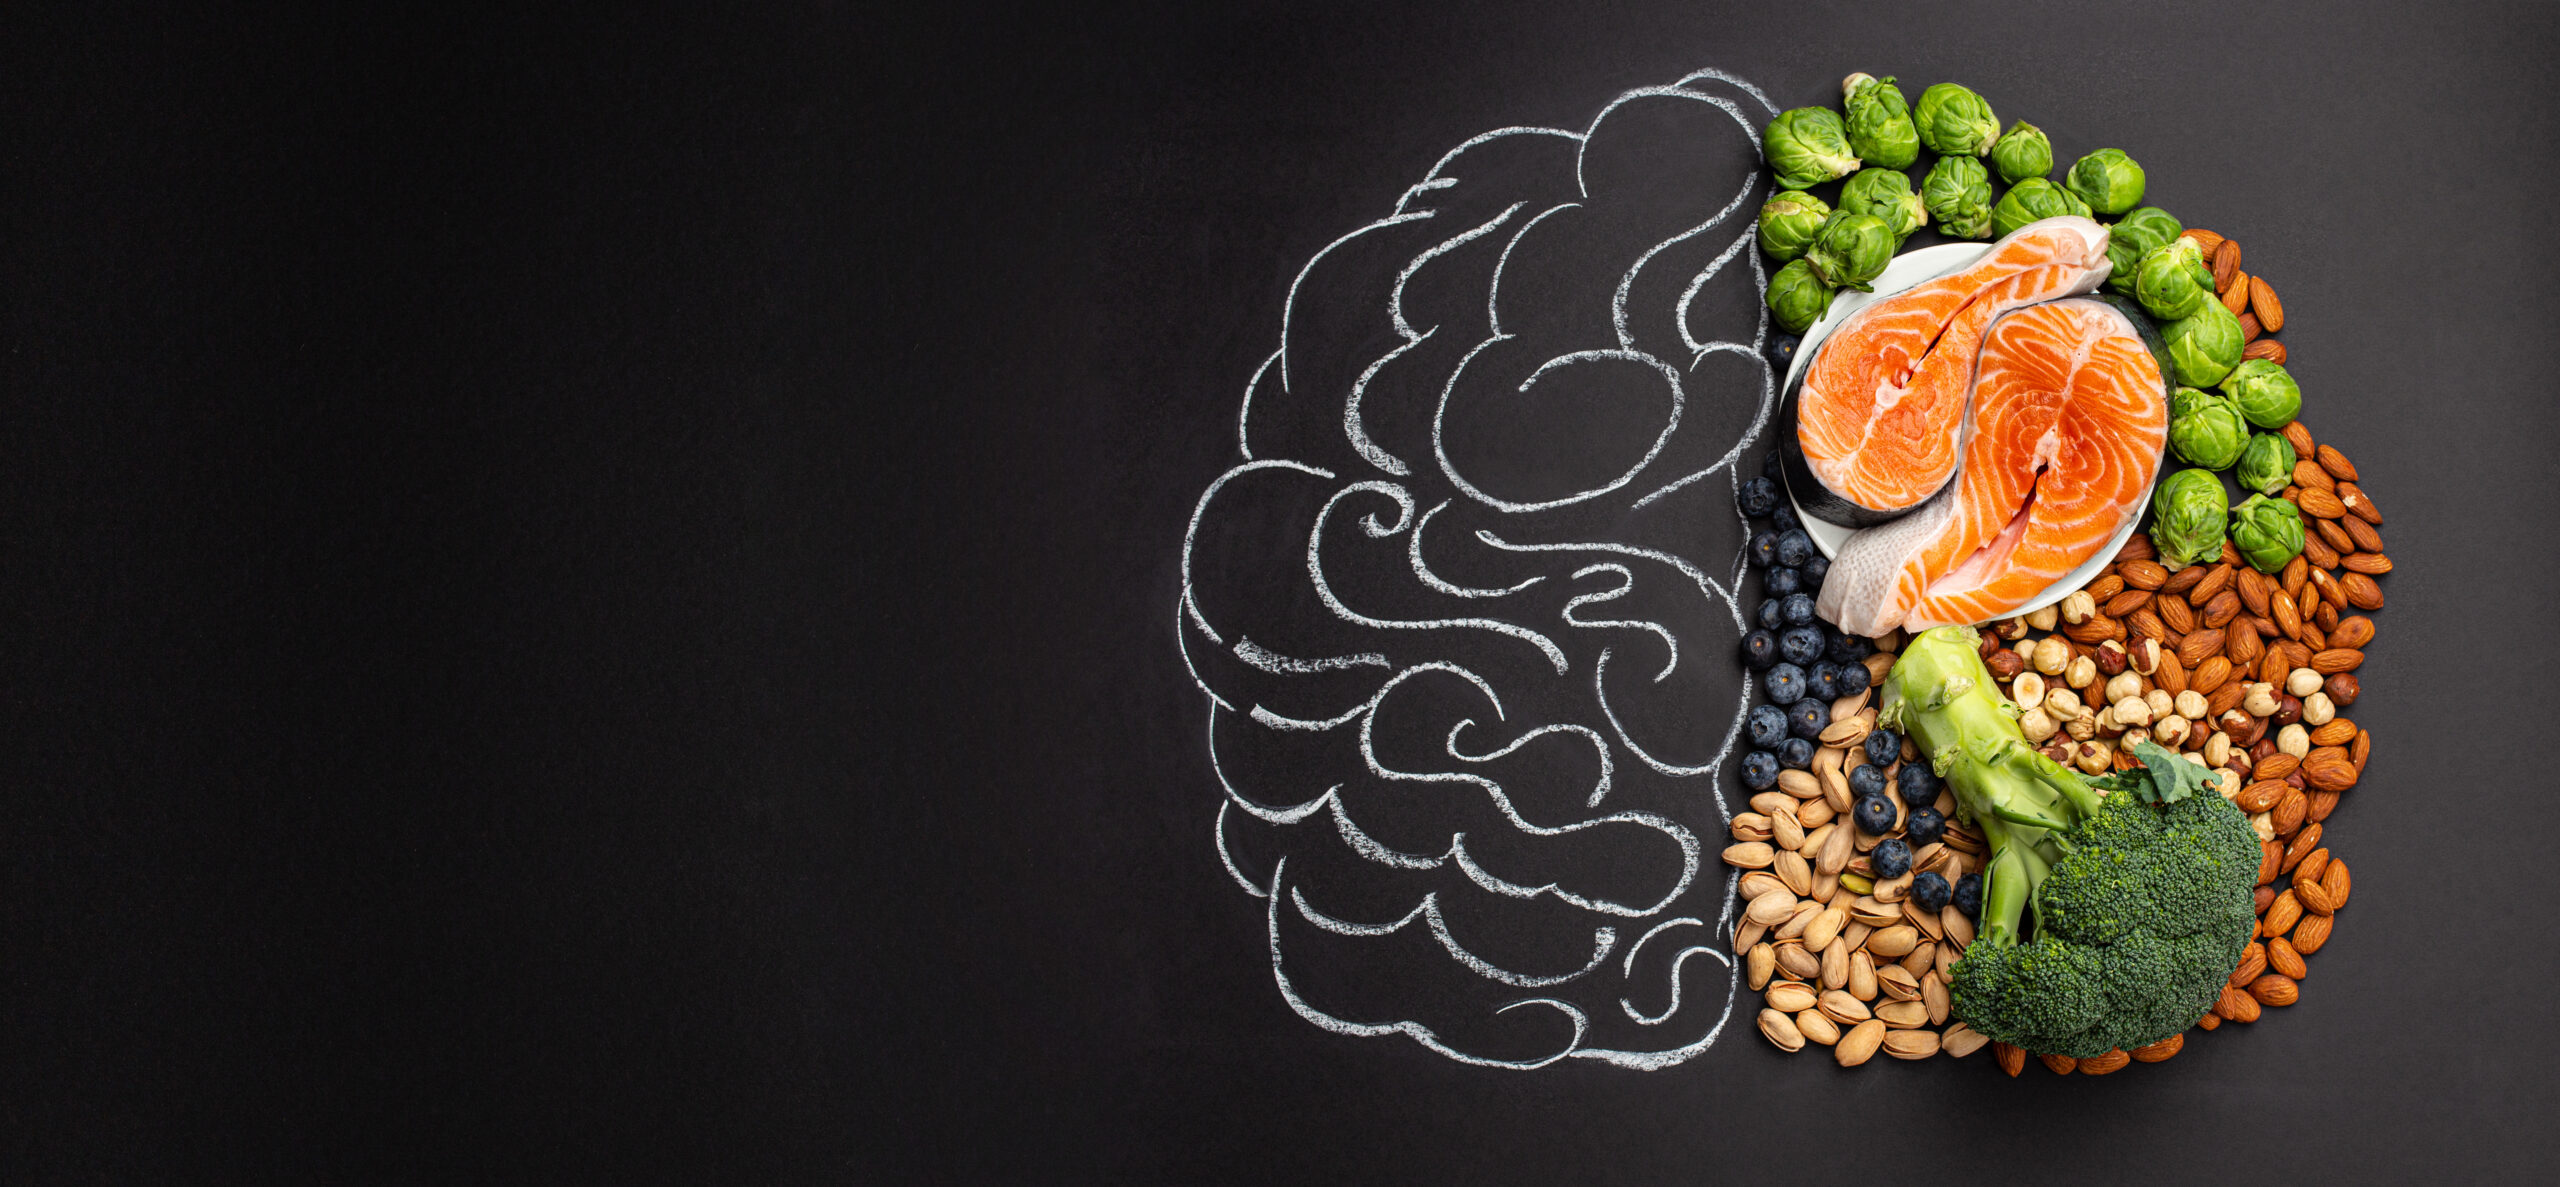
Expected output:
(593, 597)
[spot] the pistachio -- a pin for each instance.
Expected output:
(1933, 994)
(1895, 941)
(2082, 673)
(1903, 1014)
(2318, 709)
(1749, 855)
(1960, 1040)
(1762, 962)
(1817, 1029)
(1773, 908)
(2294, 740)
(1791, 996)
(1838, 1006)
(1832, 969)
(1781, 1031)
(1862, 976)
(1860, 1044)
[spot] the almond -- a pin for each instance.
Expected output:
(2196, 648)
(2303, 848)
(2261, 796)
(2359, 504)
(2263, 302)
(2337, 731)
(2282, 958)
(2011, 1059)
(2160, 1050)
(2335, 463)
(2336, 881)
(2270, 862)
(2353, 632)
(2373, 563)
(2282, 914)
(2253, 961)
(2290, 812)
(2206, 240)
(2060, 1065)
(2213, 582)
(2338, 658)
(2322, 804)
(2362, 593)
(2314, 898)
(2312, 933)
(2124, 604)
(2236, 1005)
(2307, 473)
(2275, 989)
(2360, 749)
(2319, 503)
(2226, 264)
(2364, 535)
(2326, 770)
(2264, 348)
(2298, 435)
(2113, 1061)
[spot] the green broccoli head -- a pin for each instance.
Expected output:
(2137, 925)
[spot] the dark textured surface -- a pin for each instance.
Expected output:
(588, 598)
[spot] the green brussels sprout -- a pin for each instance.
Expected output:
(2030, 200)
(2266, 466)
(1955, 122)
(1958, 195)
(2205, 346)
(1886, 194)
(2206, 429)
(1797, 297)
(2265, 392)
(1807, 146)
(2022, 152)
(2187, 516)
(1880, 129)
(2268, 532)
(2132, 236)
(1788, 221)
(1851, 250)
(2108, 180)
(2172, 281)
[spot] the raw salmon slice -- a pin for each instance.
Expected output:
(1882, 407)
(2070, 412)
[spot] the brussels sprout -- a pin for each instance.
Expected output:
(2205, 346)
(1807, 146)
(1797, 297)
(2022, 152)
(2032, 199)
(1851, 250)
(2266, 466)
(2172, 281)
(1880, 130)
(1788, 221)
(1958, 195)
(1955, 122)
(2205, 428)
(1886, 194)
(2134, 235)
(2109, 181)
(2268, 532)
(2265, 392)
(2187, 515)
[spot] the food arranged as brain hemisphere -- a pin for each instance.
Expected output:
(1989, 809)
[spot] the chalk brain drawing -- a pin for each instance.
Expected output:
(1464, 610)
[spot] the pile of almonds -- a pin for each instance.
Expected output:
(2246, 673)
(2249, 298)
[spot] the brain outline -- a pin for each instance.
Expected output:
(1392, 511)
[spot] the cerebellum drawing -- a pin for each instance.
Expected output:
(1463, 611)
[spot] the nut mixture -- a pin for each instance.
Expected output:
(2250, 674)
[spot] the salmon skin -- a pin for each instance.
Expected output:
(2070, 413)
(1875, 426)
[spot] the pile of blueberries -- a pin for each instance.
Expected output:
(1805, 664)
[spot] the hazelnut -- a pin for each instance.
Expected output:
(2162, 704)
(2094, 757)
(2235, 723)
(2111, 658)
(2013, 629)
(2169, 730)
(2079, 607)
(2006, 664)
(2131, 711)
(2260, 701)
(2037, 724)
(2107, 723)
(2081, 729)
(2063, 703)
(2317, 711)
(2342, 688)
(2227, 782)
(2264, 825)
(2288, 710)
(2044, 619)
(2027, 689)
(2217, 749)
(2051, 655)
(2191, 705)
(2082, 673)
(2303, 682)
(1989, 644)
(2294, 740)
(2122, 685)
(2144, 655)
(2260, 748)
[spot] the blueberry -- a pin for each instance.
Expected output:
(1890, 858)
(1798, 611)
(1968, 895)
(1815, 570)
(1853, 680)
(1786, 684)
(1919, 784)
(1772, 615)
(1924, 826)
(1930, 892)
(1759, 770)
(1784, 519)
(1782, 582)
(1768, 726)
(1759, 650)
(1849, 649)
(1866, 780)
(1875, 814)
(1808, 717)
(1758, 498)
(1796, 754)
(1883, 746)
(1800, 645)
(1764, 549)
(1782, 352)
(1823, 680)
(1795, 548)
(1772, 467)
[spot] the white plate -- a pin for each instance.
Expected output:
(1905, 270)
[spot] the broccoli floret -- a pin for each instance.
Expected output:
(2112, 910)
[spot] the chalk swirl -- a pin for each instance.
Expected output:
(1463, 611)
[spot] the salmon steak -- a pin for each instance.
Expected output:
(1879, 416)
(2070, 412)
